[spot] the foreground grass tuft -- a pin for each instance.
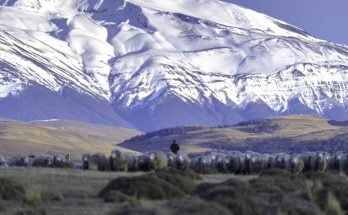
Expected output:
(118, 197)
(11, 190)
(31, 211)
(164, 184)
(143, 187)
(2, 206)
(33, 197)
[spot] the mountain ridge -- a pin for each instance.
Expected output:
(151, 65)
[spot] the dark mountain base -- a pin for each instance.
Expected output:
(39, 103)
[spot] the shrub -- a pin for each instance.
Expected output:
(180, 181)
(235, 195)
(58, 197)
(10, 190)
(276, 184)
(187, 173)
(118, 197)
(337, 185)
(147, 187)
(53, 196)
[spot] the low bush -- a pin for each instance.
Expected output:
(180, 181)
(236, 195)
(143, 187)
(118, 197)
(11, 190)
(187, 173)
(53, 196)
(163, 184)
(336, 185)
(276, 184)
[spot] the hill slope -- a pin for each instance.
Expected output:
(293, 133)
(59, 137)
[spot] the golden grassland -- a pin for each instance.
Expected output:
(282, 133)
(76, 138)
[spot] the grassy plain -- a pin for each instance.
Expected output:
(60, 137)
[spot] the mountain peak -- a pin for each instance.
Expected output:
(165, 63)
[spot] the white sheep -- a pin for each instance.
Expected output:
(2, 161)
(306, 157)
(256, 163)
(231, 163)
(268, 159)
(318, 162)
(57, 161)
(171, 159)
(22, 161)
(334, 161)
(42, 161)
(344, 163)
(295, 164)
(244, 163)
(218, 161)
(200, 162)
(98, 162)
(144, 162)
(85, 161)
(182, 161)
(158, 160)
(280, 161)
(121, 161)
(153, 160)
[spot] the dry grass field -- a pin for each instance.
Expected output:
(295, 133)
(62, 136)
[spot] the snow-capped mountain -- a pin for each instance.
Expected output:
(161, 63)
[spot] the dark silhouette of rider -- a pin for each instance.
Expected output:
(174, 147)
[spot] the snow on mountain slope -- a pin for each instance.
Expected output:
(166, 63)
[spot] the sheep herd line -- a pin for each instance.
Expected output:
(219, 161)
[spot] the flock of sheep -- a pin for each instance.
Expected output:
(222, 161)
(36, 161)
